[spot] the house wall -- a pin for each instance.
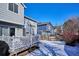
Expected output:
(45, 28)
(26, 25)
(11, 17)
(51, 29)
(18, 32)
(35, 28)
(5, 31)
(28, 28)
(40, 29)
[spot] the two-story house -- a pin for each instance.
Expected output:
(11, 19)
(45, 29)
(14, 27)
(30, 26)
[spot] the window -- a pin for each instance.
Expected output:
(12, 31)
(5, 31)
(0, 31)
(13, 7)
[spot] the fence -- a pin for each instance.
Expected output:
(16, 43)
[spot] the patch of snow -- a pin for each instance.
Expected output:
(55, 48)
(37, 52)
(42, 51)
(45, 50)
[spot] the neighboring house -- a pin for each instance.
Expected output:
(58, 29)
(45, 28)
(58, 32)
(11, 19)
(30, 26)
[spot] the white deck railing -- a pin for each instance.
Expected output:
(16, 43)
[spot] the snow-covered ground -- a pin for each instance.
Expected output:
(55, 48)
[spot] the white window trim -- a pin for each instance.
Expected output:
(13, 8)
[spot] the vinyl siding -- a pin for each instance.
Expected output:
(32, 23)
(43, 28)
(11, 17)
(18, 32)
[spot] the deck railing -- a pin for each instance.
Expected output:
(16, 43)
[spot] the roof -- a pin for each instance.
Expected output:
(30, 19)
(23, 5)
(44, 23)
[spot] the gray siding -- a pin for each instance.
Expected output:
(33, 24)
(9, 16)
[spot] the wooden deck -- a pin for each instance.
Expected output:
(19, 44)
(23, 52)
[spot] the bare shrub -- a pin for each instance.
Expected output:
(71, 31)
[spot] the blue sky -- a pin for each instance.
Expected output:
(56, 13)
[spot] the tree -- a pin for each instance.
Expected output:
(71, 30)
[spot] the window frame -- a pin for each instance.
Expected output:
(13, 8)
(0, 31)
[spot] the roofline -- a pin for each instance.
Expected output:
(51, 24)
(41, 24)
(45, 23)
(23, 5)
(30, 19)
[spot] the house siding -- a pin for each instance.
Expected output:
(35, 28)
(11, 17)
(18, 32)
(42, 29)
(28, 27)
